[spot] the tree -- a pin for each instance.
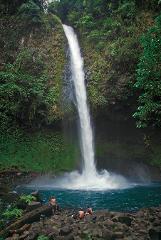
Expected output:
(12, 6)
(149, 4)
(24, 92)
(149, 78)
(31, 12)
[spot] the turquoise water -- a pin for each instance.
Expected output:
(131, 199)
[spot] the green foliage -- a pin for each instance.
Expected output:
(109, 39)
(156, 155)
(27, 198)
(29, 62)
(99, 8)
(24, 92)
(11, 7)
(23, 96)
(85, 22)
(127, 9)
(148, 78)
(31, 12)
(74, 17)
(149, 4)
(52, 7)
(87, 236)
(42, 237)
(12, 213)
(37, 152)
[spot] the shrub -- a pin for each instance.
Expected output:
(31, 12)
(27, 198)
(127, 10)
(86, 22)
(42, 237)
(12, 213)
(148, 78)
(23, 96)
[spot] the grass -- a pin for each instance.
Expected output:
(39, 152)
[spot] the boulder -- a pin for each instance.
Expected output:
(117, 235)
(154, 234)
(24, 235)
(69, 237)
(4, 189)
(14, 237)
(125, 219)
(36, 195)
(65, 230)
(10, 197)
(53, 233)
(107, 234)
(157, 222)
(77, 238)
(32, 236)
(97, 232)
(32, 206)
(108, 223)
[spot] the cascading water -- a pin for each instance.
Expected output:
(81, 97)
(89, 179)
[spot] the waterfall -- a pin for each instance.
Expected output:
(78, 78)
(90, 178)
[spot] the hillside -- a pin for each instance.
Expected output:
(32, 68)
(33, 63)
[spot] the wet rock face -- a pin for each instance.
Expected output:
(143, 225)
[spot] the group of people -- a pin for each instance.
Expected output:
(82, 213)
(78, 215)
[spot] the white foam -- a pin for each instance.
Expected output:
(75, 181)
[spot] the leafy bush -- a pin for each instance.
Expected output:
(31, 12)
(73, 17)
(111, 24)
(52, 7)
(42, 237)
(12, 213)
(27, 198)
(148, 78)
(127, 9)
(22, 96)
(86, 22)
(24, 93)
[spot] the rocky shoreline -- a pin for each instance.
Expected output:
(39, 221)
(143, 225)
